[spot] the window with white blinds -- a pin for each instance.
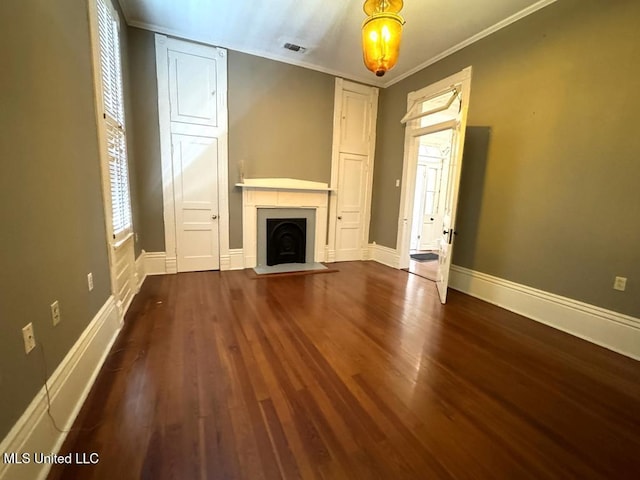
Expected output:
(113, 114)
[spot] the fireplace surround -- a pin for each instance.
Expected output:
(284, 193)
(287, 233)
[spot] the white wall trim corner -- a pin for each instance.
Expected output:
(155, 263)
(612, 330)
(330, 255)
(141, 270)
(385, 255)
(225, 263)
(69, 386)
(236, 259)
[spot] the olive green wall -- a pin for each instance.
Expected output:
(53, 226)
(144, 144)
(557, 207)
(280, 125)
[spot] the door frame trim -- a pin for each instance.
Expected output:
(162, 44)
(410, 160)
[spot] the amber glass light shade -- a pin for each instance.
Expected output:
(381, 36)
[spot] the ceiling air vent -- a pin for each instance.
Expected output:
(294, 48)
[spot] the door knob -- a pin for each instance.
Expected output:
(340, 217)
(214, 217)
(451, 233)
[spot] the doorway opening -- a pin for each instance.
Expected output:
(434, 155)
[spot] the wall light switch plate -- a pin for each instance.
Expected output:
(90, 280)
(55, 313)
(620, 284)
(28, 337)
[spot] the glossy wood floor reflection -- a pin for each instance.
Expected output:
(352, 375)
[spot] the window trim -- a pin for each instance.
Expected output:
(103, 123)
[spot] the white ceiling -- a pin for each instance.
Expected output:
(329, 29)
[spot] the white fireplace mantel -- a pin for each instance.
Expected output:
(282, 184)
(281, 193)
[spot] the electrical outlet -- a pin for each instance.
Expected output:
(397, 183)
(620, 283)
(28, 337)
(90, 281)
(55, 313)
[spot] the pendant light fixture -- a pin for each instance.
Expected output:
(381, 34)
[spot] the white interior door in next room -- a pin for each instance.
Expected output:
(198, 135)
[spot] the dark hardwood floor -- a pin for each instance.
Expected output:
(351, 375)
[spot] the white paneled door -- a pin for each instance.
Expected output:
(430, 229)
(193, 119)
(352, 184)
(195, 169)
(355, 111)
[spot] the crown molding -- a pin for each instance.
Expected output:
(478, 36)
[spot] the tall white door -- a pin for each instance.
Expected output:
(355, 111)
(352, 182)
(195, 169)
(198, 128)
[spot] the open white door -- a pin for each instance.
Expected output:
(451, 183)
(439, 108)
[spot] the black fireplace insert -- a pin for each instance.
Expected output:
(286, 240)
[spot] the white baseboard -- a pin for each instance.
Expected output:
(385, 255)
(68, 386)
(612, 330)
(157, 263)
(236, 259)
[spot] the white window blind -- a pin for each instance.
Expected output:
(113, 114)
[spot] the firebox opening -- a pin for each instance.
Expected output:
(286, 240)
